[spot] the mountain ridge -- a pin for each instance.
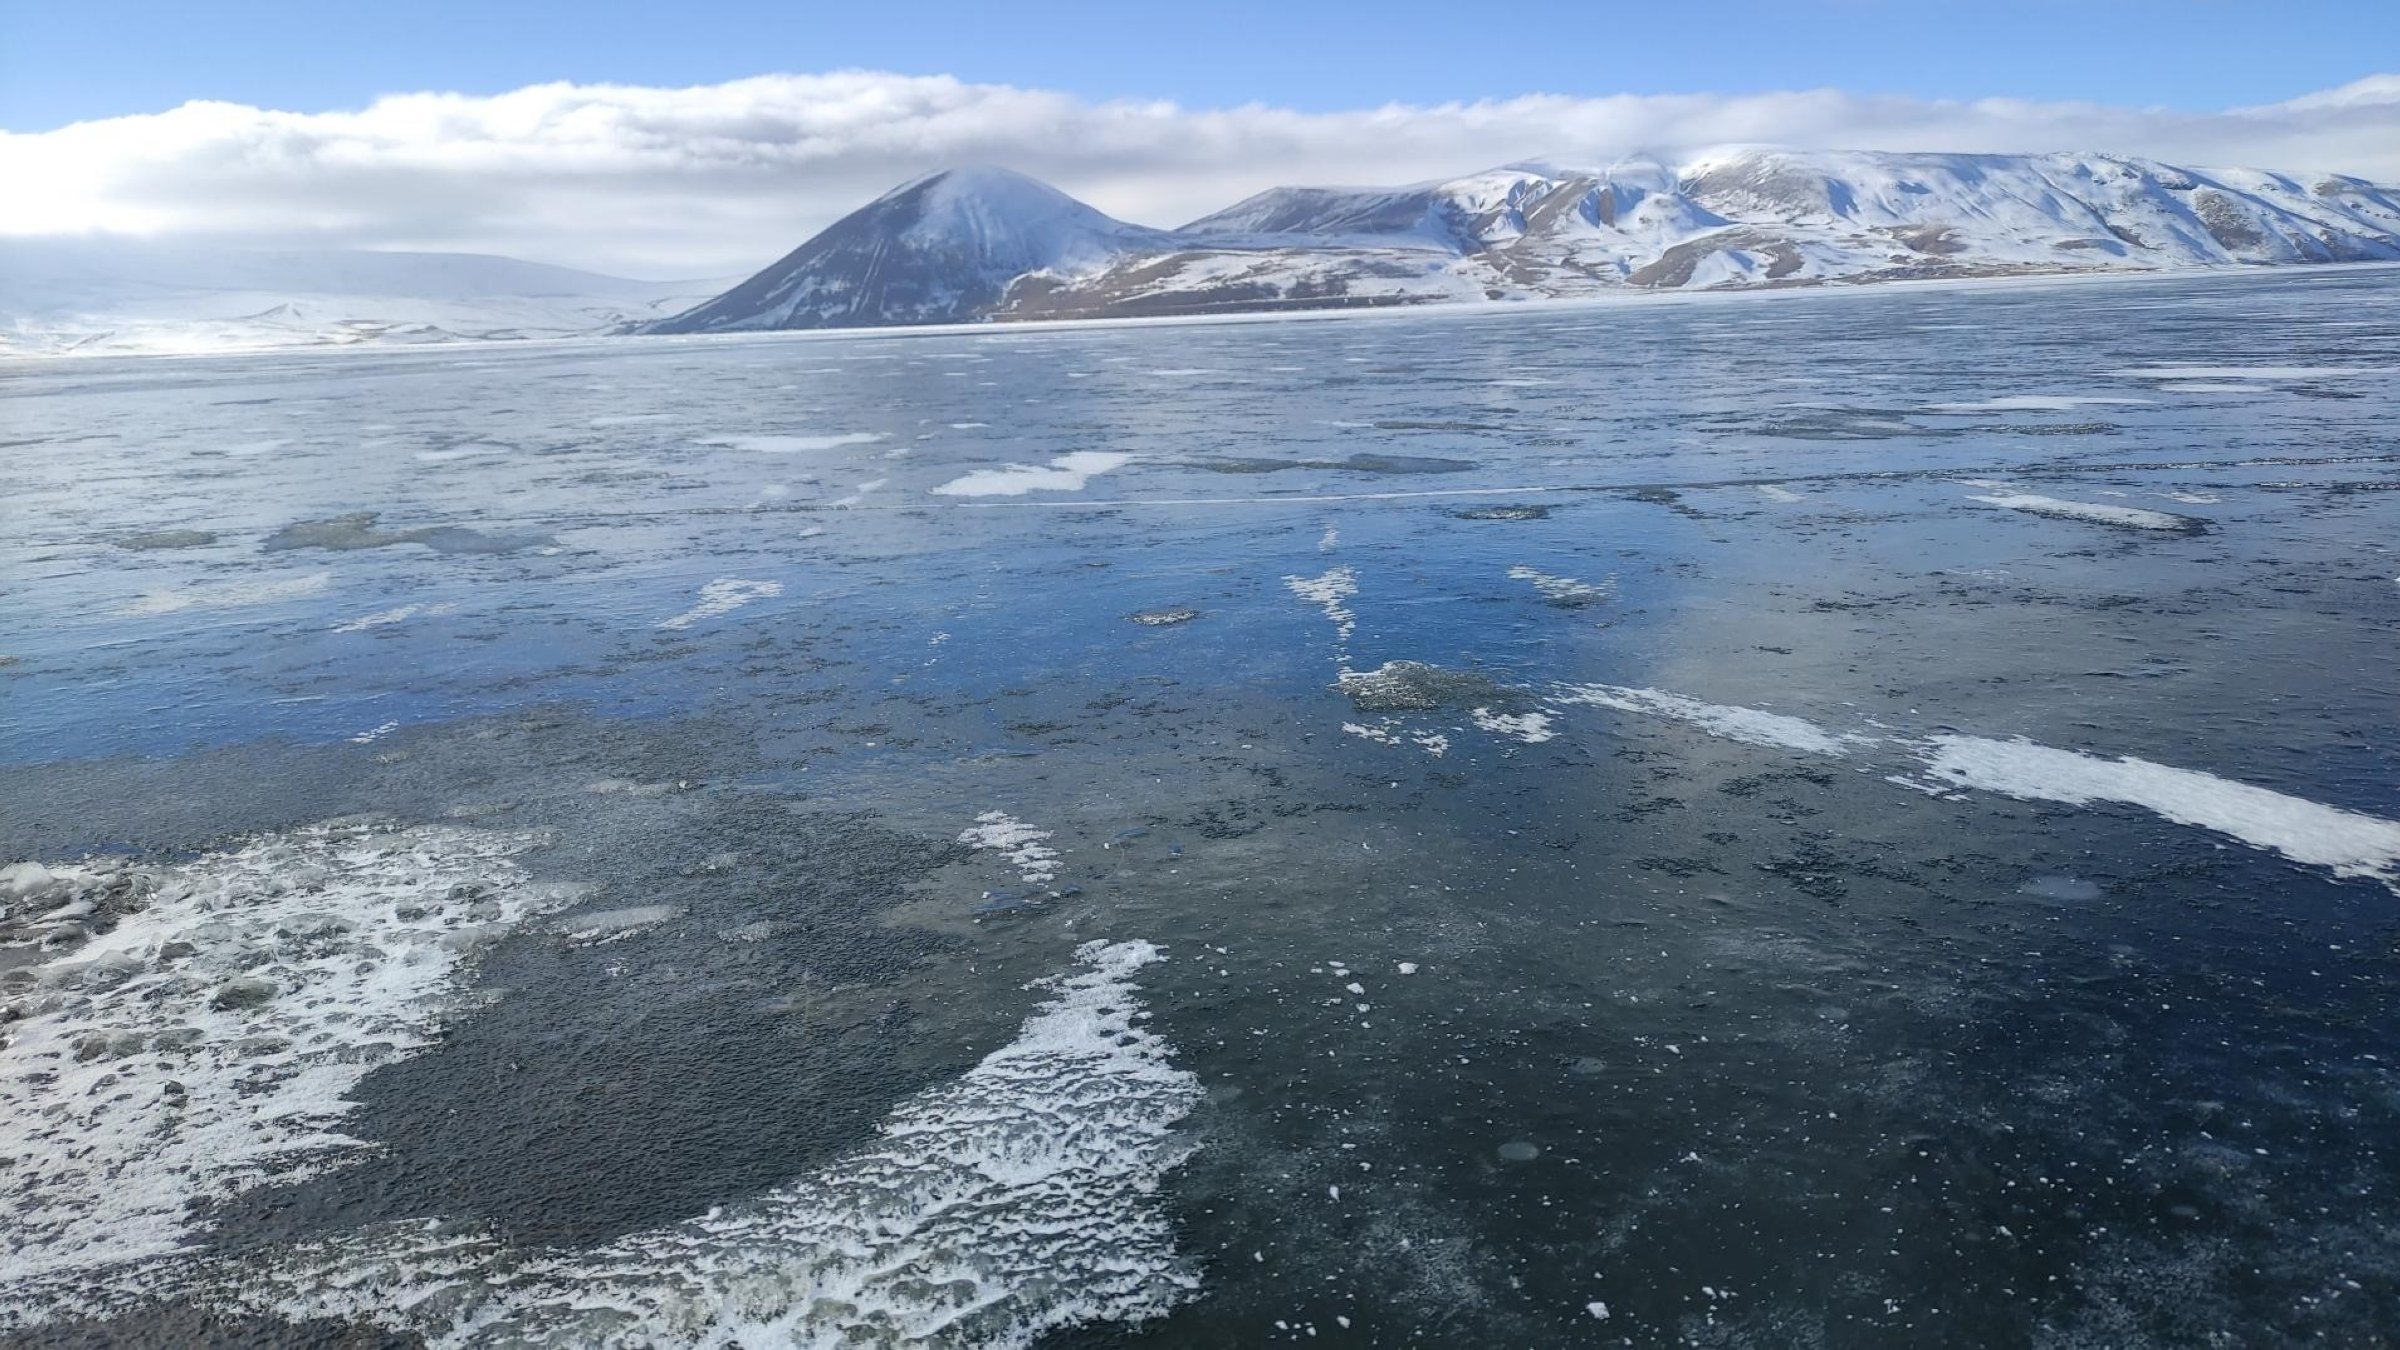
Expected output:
(1730, 218)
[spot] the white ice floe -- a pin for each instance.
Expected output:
(1532, 728)
(2132, 517)
(1565, 591)
(723, 596)
(789, 445)
(1036, 861)
(207, 1043)
(1752, 726)
(227, 594)
(1776, 492)
(1329, 593)
(397, 614)
(2348, 842)
(1066, 473)
(1017, 1200)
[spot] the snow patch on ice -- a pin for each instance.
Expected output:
(1036, 862)
(2238, 372)
(1532, 728)
(397, 614)
(1565, 591)
(2350, 843)
(1750, 725)
(2032, 403)
(227, 595)
(614, 925)
(723, 596)
(789, 445)
(2131, 517)
(1329, 592)
(1777, 493)
(1066, 473)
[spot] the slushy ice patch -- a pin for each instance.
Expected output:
(207, 1042)
(1018, 1199)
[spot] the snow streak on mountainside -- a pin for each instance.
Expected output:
(986, 244)
(119, 295)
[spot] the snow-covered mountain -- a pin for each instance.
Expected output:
(121, 295)
(987, 244)
(940, 249)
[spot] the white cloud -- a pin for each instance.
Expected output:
(722, 178)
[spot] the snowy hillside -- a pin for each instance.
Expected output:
(116, 295)
(995, 245)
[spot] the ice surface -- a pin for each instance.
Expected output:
(207, 1043)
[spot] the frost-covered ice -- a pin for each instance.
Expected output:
(1532, 728)
(1066, 473)
(1019, 1199)
(234, 594)
(1330, 593)
(208, 1042)
(2131, 517)
(1751, 725)
(788, 445)
(1023, 845)
(723, 596)
(2348, 842)
(1565, 592)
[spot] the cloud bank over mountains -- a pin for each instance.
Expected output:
(717, 179)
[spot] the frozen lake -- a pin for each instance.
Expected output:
(1847, 819)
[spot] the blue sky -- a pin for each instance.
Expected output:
(68, 60)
